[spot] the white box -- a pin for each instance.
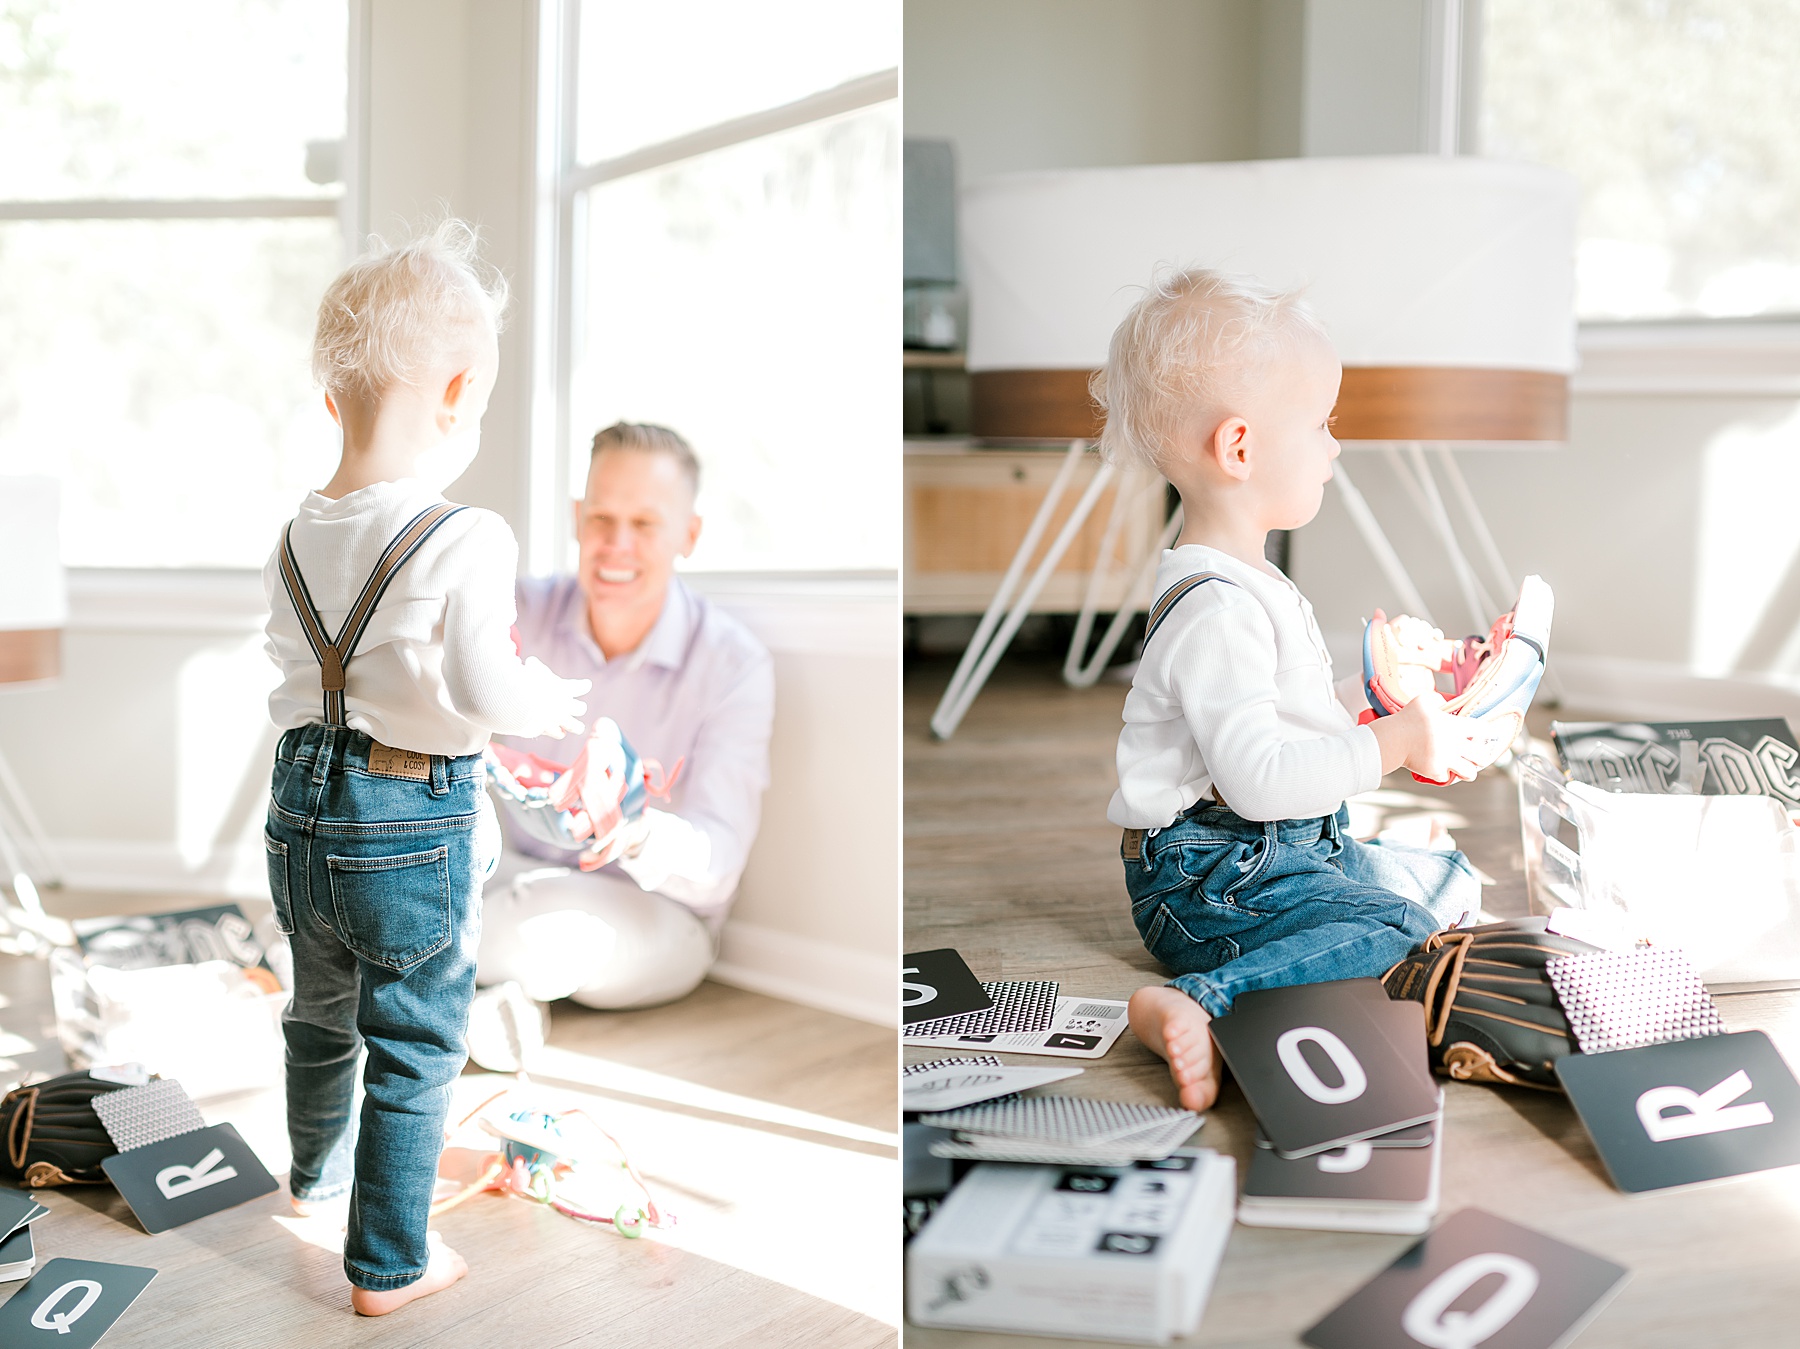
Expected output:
(1717, 877)
(1115, 1253)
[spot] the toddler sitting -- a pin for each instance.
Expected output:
(1238, 751)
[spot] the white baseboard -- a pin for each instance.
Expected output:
(813, 973)
(161, 868)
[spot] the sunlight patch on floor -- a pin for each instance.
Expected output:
(610, 1076)
(810, 1215)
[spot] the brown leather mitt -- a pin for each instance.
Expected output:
(1491, 1014)
(51, 1134)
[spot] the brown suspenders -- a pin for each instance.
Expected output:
(332, 655)
(1174, 595)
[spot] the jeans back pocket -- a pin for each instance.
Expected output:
(278, 883)
(393, 910)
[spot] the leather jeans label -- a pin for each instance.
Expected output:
(399, 763)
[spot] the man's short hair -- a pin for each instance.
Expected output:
(649, 438)
(401, 310)
(1196, 340)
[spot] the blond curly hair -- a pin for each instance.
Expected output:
(402, 310)
(1196, 340)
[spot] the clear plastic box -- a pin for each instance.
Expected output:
(1715, 876)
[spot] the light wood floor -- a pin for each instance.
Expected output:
(1009, 859)
(766, 1127)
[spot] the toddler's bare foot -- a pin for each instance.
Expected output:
(338, 1208)
(1175, 1026)
(443, 1269)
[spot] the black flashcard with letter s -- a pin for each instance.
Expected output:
(937, 984)
(188, 1176)
(70, 1304)
(1317, 1068)
(1693, 1110)
(1474, 1280)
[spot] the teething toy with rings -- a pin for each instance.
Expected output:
(1493, 677)
(540, 1152)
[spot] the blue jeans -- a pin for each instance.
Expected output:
(377, 884)
(1231, 904)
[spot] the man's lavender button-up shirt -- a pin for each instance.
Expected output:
(699, 689)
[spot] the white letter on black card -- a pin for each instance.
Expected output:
(45, 1319)
(175, 1181)
(927, 990)
(1342, 1161)
(1429, 1320)
(1703, 1112)
(1287, 1048)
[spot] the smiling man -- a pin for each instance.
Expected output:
(687, 684)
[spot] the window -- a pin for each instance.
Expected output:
(734, 209)
(1679, 118)
(169, 214)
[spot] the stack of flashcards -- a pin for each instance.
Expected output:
(948, 1084)
(18, 1254)
(1388, 1183)
(1476, 1280)
(1125, 1253)
(1063, 1129)
(1326, 1065)
(1029, 1018)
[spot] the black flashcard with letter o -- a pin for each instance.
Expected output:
(188, 1176)
(1474, 1280)
(1693, 1110)
(70, 1304)
(1318, 1069)
(937, 984)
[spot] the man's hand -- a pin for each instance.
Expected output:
(1430, 741)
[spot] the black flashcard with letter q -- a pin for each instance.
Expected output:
(1318, 1069)
(937, 984)
(70, 1304)
(1474, 1280)
(1689, 1111)
(188, 1176)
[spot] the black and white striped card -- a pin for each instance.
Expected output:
(1019, 1007)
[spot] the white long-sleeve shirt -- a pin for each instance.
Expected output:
(436, 671)
(1234, 691)
(699, 689)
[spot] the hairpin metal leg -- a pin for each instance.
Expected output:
(988, 644)
(1385, 556)
(1079, 676)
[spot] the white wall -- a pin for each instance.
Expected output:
(1043, 84)
(148, 761)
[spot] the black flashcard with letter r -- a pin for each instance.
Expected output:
(70, 1304)
(1474, 1280)
(1693, 1110)
(188, 1176)
(1318, 1069)
(937, 984)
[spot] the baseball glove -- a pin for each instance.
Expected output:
(1491, 1014)
(51, 1134)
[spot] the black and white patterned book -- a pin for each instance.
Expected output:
(1020, 1007)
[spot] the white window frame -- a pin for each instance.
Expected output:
(182, 596)
(563, 182)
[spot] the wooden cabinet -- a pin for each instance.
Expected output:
(968, 508)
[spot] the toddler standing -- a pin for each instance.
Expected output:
(1238, 751)
(390, 612)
